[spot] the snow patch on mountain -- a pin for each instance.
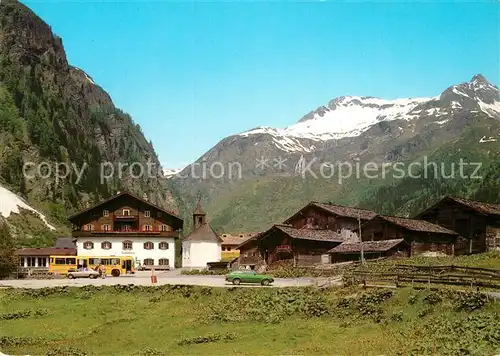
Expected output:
(86, 75)
(489, 139)
(11, 203)
(346, 117)
(350, 116)
(459, 92)
(170, 172)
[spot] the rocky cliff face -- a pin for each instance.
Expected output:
(53, 112)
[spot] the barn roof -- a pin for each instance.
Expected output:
(65, 242)
(346, 211)
(199, 209)
(309, 234)
(236, 239)
(203, 233)
(479, 206)
(339, 210)
(300, 234)
(368, 246)
(416, 225)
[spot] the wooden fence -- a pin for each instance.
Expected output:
(410, 274)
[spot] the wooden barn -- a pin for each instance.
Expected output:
(421, 236)
(305, 237)
(478, 223)
(305, 247)
(351, 251)
(399, 237)
(338, 218)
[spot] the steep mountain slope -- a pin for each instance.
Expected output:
(51, 112)
(461, 122)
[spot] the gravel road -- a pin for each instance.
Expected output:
(143, 278)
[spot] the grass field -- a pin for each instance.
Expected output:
(183, 320)
(480, 260)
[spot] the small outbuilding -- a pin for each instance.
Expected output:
(477, 222)
(201, 246)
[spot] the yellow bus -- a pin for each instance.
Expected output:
(115, 265)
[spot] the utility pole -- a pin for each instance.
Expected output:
(361, 240)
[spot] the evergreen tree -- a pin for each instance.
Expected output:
(7, 251)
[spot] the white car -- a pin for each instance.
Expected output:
(89, 273)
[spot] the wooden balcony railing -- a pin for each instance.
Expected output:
(230, 254)
(78, 232)
(284, 248)
(131, 231)
(126, 217)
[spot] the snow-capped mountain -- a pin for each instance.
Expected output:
(170, 172)
(462, 121)
(11, 203)
(350, 116)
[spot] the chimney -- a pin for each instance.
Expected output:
(118, 193)
(145, 197)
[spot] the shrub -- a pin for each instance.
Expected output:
(206, 272)
(207, 338)
(397, 316)
(150, 352)
(23, 314)
(433, 298)
(469, 301)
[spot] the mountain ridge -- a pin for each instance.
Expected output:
(425, 125)
(385, 110)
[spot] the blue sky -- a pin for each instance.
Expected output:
(193, 73)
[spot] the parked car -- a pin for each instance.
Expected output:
(238, 277)
(88, 273)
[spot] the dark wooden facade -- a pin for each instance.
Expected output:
(470, 219)
(328, 217)
(420, 236)
(125, 214)
(306, 237)
(392, 249)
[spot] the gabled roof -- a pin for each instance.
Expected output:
(199, 209)
(121, 195)
(203, 233)
(479, 206)
(236, 239)
(300, 234)
(368, 246)
(47, 251)
(414, 225)
(65, 242)
(339, 210)
(310, 234)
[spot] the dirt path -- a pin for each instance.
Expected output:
(143, 278)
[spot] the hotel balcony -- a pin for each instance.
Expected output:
(126, 232)
(126, 217)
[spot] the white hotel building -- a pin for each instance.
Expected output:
(126, 225)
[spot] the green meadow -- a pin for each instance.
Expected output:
(184, 320)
